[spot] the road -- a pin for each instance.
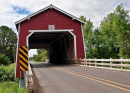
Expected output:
(80, 79)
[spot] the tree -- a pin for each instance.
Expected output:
(8, 41)
(109, 38)
(88, 36)
(112, 39)
(122, 28)
(40, 57)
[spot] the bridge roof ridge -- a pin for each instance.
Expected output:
(42, 10)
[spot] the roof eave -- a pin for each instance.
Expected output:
(50, 6)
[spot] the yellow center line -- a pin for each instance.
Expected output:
(85, 76)
(98, 78)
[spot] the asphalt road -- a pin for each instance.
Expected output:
(80, 79)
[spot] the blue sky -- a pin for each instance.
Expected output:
(21, 10)
(95, 10)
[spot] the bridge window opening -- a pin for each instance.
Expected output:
(58, 45)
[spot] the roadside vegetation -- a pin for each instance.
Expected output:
(8, 83)
(111, 39)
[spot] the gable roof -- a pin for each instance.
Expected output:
(50, 6)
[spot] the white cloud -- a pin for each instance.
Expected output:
(32, 52)
(92, 9)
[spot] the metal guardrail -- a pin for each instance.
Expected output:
(104, 63)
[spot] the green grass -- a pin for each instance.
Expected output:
(11, 87)
(8, 84)
(127, 68)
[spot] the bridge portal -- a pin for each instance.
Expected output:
(59, 32)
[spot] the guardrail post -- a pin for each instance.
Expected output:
(122, 65)
(102, 63)
(110, 63)
(89, 62)
(80, 61)
(84, 62)
(76, 61)
(95, 62)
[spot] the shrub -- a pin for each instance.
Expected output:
(4, 60)
(7, 73)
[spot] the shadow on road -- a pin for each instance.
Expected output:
(47, 65)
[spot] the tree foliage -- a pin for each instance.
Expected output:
(40, 57)
(111, 39)
(4, 60)
(8, 41)
(122, 28)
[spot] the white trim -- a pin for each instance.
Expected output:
(17, 48)
(75, 47)
(55, 31)
(83, 39)
(65, 30)
(27, 43)
(48, 7)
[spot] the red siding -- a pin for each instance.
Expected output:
(51, 17)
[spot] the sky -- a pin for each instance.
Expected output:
(95, 10)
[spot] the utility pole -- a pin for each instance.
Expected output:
(14, 54)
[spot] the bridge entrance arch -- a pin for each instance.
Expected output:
(60, 44)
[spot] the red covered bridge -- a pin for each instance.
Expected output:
(53, 29)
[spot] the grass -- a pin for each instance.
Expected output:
(11, 87)
(7, 82)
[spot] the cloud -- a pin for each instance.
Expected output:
(32, 52)
(96, 10)
(92, 9)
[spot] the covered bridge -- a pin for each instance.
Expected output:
(53, 29)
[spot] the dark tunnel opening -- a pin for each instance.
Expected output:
(60, 45)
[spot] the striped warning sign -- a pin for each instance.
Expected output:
(23, 54)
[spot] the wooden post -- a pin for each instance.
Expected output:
(89, 62)
(110, 63)
(76, 61)
(95, 62)
(122, 64)
(80, 61)
(102, 62)
(84, 62)
(14, 54)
